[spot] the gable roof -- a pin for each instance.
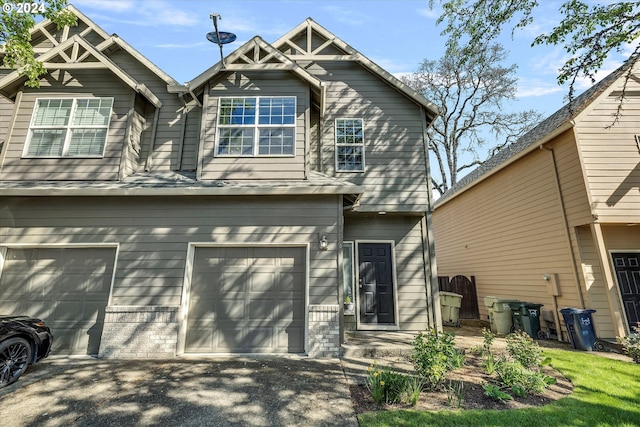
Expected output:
(308, 52)
(62, 43)
(76, 53)
(557, 123)
(255, 55)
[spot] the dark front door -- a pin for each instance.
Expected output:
(627, 267)
(376, 283)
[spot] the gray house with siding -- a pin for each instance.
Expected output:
(142, 217)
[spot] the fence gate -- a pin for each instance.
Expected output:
(465, 287)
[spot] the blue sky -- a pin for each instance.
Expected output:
(396, 34)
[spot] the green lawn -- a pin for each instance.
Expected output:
(606, 393)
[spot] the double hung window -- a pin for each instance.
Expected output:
(69, 127)
(349, 145)
(259, 126)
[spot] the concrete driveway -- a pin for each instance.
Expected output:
(261, 391)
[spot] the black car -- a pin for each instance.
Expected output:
(23, 340)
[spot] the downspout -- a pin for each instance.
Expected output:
(432, 291)
(567, 231)
(154, 130)
(183, 126)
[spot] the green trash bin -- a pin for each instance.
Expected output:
(500, 317)
(450, 308)
(526, 317)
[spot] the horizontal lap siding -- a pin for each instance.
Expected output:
(508, 232)
(6, 115)
(406, 232)
(259, 167)
(79, 83)
(166, 146)
(153, 235)
(395, 170)
(596, 295)
(610, 156)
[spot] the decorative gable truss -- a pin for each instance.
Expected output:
(258, 55)
(309, 41)
(77, 53)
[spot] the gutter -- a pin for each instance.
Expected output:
(106, 191)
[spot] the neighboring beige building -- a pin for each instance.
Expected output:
(142, 217)
(555, 217)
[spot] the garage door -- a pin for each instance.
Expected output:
(247, 300)
(67, 287)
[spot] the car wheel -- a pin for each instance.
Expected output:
(15, 354)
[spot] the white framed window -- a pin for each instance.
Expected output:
(349, 145)
(69, 127)
(258, 126)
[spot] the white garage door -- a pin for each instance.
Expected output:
(66, 287)
(247, 300)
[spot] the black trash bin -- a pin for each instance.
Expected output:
(580, 326)
(526, 317)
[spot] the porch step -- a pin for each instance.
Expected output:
(375, 345)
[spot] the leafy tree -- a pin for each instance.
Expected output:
(470, 88)
(588, 33)
(15, 26)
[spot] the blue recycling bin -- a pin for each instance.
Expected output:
(580, 326)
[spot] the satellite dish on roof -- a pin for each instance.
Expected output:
(219, 37)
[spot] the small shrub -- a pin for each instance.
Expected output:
(512, 374)
(389, 386)
(494, 392)
(631, 344)
(524, 350)
(487, 340)
(434, 354)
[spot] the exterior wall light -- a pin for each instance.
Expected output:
(324, 243)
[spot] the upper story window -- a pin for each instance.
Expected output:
(258, 126)
(69, 127)
(349, 145)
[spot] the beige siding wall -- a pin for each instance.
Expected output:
(611, 156)
(406, 232)
(508, 231)
(153, 235)
(395, 170)
(259, 167)
(606, 302)
(570, 174)
(79, 83)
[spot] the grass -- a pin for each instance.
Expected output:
(606, 393)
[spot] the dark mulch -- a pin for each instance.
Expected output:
(473, 376)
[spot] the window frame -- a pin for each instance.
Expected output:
(67, 128)
(256, 127)
(338, 144)
(350, 276)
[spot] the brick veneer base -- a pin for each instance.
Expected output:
(324, 331)
(139, 332)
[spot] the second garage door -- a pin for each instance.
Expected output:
(66, 287)
(247, 300)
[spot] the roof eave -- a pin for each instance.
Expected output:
(535, 146)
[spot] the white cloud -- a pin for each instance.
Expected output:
(536, 87)
(430, 13)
